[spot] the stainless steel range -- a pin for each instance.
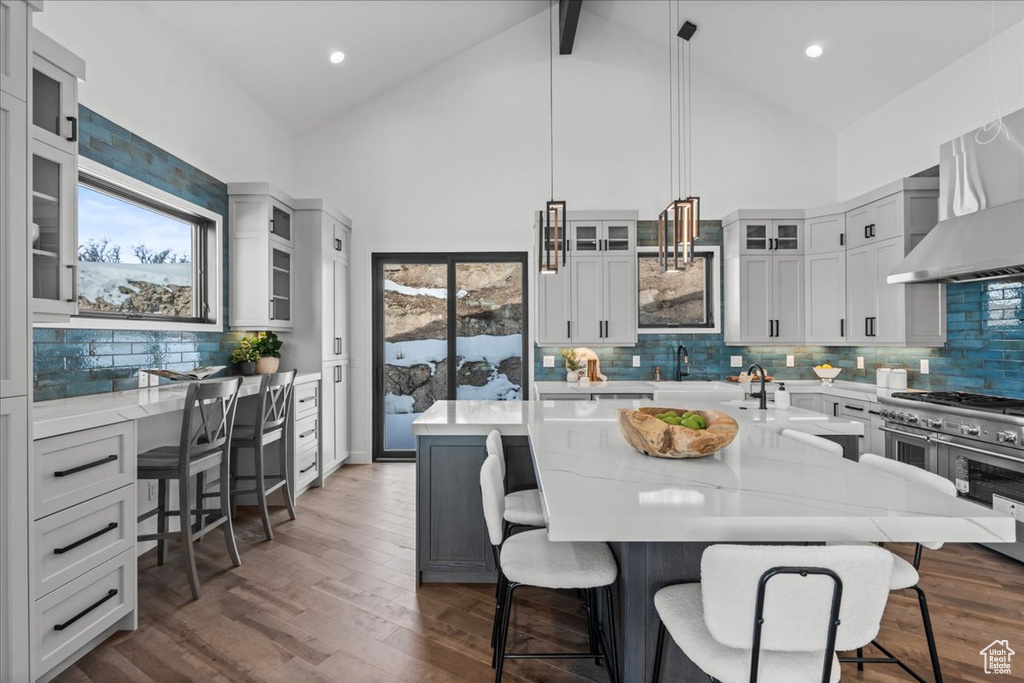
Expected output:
(974, 440)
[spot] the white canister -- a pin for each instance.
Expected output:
(882, 377)
(898, 379)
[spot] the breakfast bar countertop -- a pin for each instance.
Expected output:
(66, 415)
(762, 487)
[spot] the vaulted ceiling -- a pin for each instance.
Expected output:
(277, 50)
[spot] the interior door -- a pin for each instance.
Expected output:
(756, 291)
(861, 292)
(620, 299)
(825, 297)
(788, 305)
(587, 299)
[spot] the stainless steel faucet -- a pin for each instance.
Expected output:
(686, 360)
(764, 392)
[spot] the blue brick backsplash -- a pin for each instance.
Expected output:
(77, 362)
(984, 351)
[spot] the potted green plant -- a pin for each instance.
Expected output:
(269, 348)
(245, 357)
(573, 364)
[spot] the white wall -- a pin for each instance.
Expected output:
(457, 159)
(144, 76)
(903, 136)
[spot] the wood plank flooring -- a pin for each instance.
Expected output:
(332, 599)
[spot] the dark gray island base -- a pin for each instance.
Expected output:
(452, 547)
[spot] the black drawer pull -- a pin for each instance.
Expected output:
(874, 412)
(111, 593)
(86, 466)
(303, 435)
(81, 541)
(857, 408)
(307, 400)
(307, 469)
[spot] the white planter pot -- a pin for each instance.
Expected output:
(267, 365)
(571, 376)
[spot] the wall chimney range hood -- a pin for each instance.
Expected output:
(980, 234)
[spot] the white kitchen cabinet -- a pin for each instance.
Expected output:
(876, 222)
(806, 401)
(14, 330)
(260, 218)
(788, 298)
(592, 299)
(320, 340)
(759, 236)
(825, 234)
(865, 412)
(14, 37)
(14, 541)
(764, 299)
(56, 72)
(825, 297)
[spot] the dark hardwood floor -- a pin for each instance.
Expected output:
(332, 599)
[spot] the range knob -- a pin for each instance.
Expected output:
(899, 416)
(913, 419)
(883, 413)
(1007, 437)
(935, 422)
(970, 430)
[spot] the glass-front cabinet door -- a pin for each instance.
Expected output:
(53, 233)
(585, 236)
(280, 284)
(755, 236)
(788, 236)
(760, 236)
(618, 236)
(54, 105)
(280, 221)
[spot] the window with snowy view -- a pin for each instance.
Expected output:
(136, 259)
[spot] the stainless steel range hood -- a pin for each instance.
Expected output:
(980, 234)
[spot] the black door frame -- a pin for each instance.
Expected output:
(450, 260)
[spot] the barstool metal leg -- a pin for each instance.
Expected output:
(659, 652)
(261, 489)
(613, 646)
(506, 611)
(929, 634)
(187, 549)
(161, 518)
(860, 655)
(590, 598)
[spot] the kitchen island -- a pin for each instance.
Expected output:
(659, 515)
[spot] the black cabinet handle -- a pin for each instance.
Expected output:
(303, 435)
(272, 305)
(111, 593)
(86, 466)
(96, 534)
(568, 329)
(74, 128)
(842, 239)
(307, 469)
(871, 323)
(306, 400)
(769, 244)
(874, 412)
(867, 327)
(337, 245)
(857, 408)
(842, 327)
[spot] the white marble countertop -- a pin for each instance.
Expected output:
(65, 415)
(762, 487)
(838, 389)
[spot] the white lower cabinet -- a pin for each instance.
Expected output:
(14, 539)
(806, 401)
(306, 436)
(336, 422)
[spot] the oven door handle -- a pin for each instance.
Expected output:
(906, 434)
(972, 449)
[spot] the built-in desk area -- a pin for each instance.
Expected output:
(84, 503)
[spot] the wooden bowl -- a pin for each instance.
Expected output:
(649, 435)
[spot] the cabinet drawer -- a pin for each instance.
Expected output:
(307, 433)
(307, 399)
(69, 543)
(853, 408)
(72, 468)
(306, 467)
(72, 615)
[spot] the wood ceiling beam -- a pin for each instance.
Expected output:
(568, 20)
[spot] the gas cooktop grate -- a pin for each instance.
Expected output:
(963, 399)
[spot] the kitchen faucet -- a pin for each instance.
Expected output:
(686, 359)
(764, 392)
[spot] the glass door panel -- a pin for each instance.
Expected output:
(281, 271)
(415, 319)
(788, 235)
(756, 237)
(280, 223)
(47, 271)
(46, 102)
(618, 237)
(584, 237)
(489, 331)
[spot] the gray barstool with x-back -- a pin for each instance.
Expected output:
(205, 445)
(273, 411)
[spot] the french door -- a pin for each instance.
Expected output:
(445, 326)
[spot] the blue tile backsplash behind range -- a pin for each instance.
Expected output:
(76, 362)
(984, 351)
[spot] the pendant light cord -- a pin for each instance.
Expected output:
(679, 135)
(551, 93)
(689, 119)
(671, 161)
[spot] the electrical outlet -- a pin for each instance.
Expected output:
(549, 361)
(790, 361)
(736, 361)
(860, 362)
(144, 378)
(153, 490)
(924, 366)
(636, 361)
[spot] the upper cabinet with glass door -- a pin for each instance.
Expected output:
(602, 236)
(262, 231)
(760, 236)
(54, 229)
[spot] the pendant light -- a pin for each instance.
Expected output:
(679, 223)
(553, 235)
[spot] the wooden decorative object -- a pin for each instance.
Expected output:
(649, 435)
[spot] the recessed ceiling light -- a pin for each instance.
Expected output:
(337, 57)
(813, 50)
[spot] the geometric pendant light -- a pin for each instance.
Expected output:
(553, 229)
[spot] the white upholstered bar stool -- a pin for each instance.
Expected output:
(905, 574)
(775, 614)
(823, 445)
(530, 559)
(522, 508)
